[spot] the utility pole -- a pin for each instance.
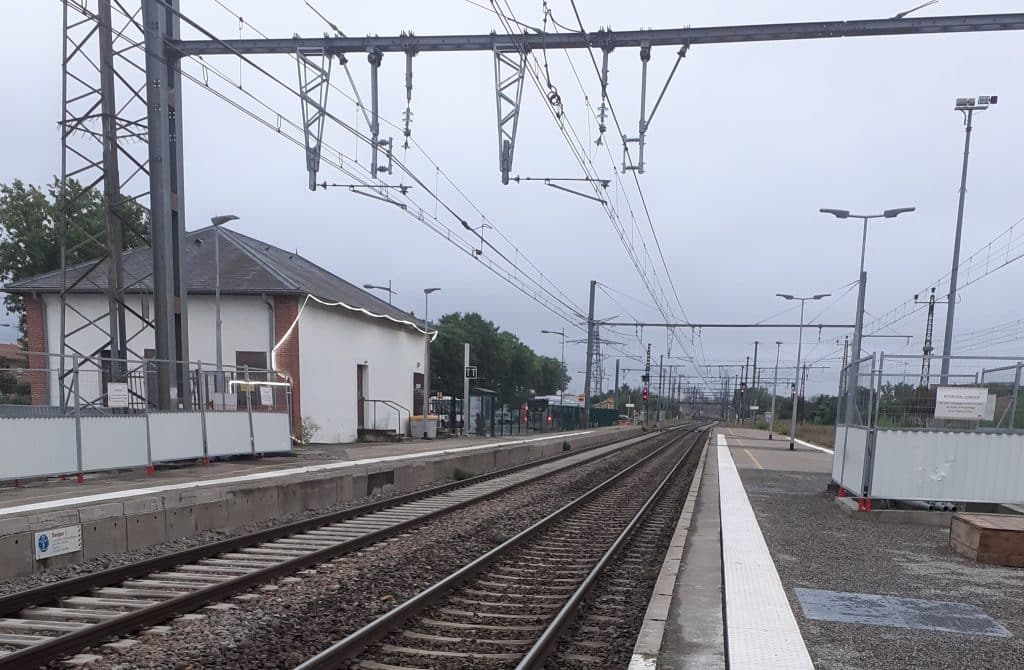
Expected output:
(616, 385)
(590, 356)
(775, 389)
(646, 387)
(967, 106)
(754, 374)
(465, 390)
(661, 384)
(926, 360)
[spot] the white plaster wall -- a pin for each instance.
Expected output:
(247, 322)
(332, 342)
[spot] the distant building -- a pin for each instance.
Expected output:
(340, 346)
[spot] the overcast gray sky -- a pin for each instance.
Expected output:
(751, 140)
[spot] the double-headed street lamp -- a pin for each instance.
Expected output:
(387, 288)
(426, 354)
(862, 280)
(561, 372)
(799, 346)
(218, 221)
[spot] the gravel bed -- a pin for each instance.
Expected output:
(126, 558)
(816, 546)
(285, 623)
(607, 626)
(524, 578)
(171, 546)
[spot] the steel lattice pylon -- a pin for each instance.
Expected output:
(118, 90)
(103, 126)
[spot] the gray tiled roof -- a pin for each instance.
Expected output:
(247, 267)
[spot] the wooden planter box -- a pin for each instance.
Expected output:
(989, 538)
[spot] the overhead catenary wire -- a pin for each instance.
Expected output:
(416, 211)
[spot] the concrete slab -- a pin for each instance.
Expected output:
(104, 536)
(698, 641)
(16, 555)
(145, 530)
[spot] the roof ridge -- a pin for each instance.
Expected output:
(257, 257)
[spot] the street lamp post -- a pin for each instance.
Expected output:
(426, 354)
(217, 222)
(862, 279)
(561, 373)
(387, 288)
(775, 388)
(799, 346)
(967, 106)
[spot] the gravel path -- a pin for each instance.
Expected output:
(816, 546)
(283, 625)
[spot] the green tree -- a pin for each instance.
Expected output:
(504, 364)
(30, 221)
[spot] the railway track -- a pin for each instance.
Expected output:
(510, 607)
(49, 622)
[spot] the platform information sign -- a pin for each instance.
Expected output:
(57, 541)
(117, 394)
(961, 402)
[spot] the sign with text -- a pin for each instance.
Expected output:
(57, 541)
(961, 402)
(117, 394)
(267, 396)
(470, 372)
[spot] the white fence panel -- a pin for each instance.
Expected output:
(927, 465)
(34, 447)
(849, 469)
(271, 432)
(113, 442)
(176, 436)
(227, 433)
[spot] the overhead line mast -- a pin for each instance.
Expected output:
(160, 25)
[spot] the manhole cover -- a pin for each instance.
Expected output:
(877, 610)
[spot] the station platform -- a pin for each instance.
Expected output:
(123, 511)
(771, 573)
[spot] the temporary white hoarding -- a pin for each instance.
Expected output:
(961, 402)
(57, 541)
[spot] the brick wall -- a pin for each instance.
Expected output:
(37, 377)
(286, 309)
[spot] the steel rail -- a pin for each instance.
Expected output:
(13, 602)
(602, 39)
(548, 640)
(352, 645)
(72, 642)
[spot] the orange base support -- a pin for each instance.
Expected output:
(80, 477)
(863, 504)
(149, 470)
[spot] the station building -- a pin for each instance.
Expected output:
(341, 347)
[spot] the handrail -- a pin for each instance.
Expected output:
(390, 404)
(398, 407)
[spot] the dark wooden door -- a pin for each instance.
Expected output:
(257, 362)
(360, 394)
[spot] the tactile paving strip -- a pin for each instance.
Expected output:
(761, 630)
(878, 610)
